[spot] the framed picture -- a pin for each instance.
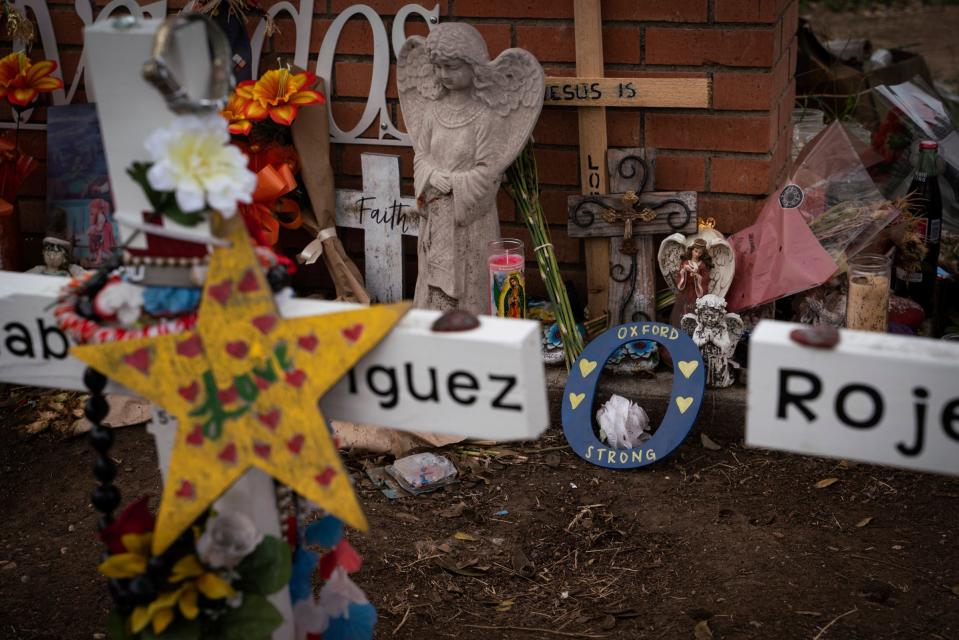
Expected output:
(78, 184)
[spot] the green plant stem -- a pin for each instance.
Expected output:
(523, 186)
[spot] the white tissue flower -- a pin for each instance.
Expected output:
(193, 157)
(228, 538)
(622, 422)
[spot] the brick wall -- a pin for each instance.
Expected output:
(732, 153)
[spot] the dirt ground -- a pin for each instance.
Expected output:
(927, 29)
(536, 543)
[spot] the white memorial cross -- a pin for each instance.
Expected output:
(874, 397)
(385, 217)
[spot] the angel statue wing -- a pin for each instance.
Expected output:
(724, 266)
(689, 323)
(735, 326)
(516, 93)
(417, 86)
(671, 257)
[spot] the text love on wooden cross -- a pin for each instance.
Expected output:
(632, 220)
(385, 216)
(592, 94)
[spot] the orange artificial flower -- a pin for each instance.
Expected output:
(21, 80)
(235, 114)
(278, 93)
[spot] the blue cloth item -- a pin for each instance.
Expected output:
(325, 532)
(301, 578)
(357, 625)
(171, 301)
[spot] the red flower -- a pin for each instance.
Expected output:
(21, 80)
(135, 518)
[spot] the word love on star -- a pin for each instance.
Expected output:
(244, 387)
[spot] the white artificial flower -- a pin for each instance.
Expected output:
(339, 593)
(309, 618)
(193, 157)
(622, 422)
(120, 299)
(229, 537)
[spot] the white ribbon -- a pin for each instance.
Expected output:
(312, 252)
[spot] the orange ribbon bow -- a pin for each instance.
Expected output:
(273, 182)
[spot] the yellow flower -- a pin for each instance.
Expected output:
(131, 563)
(196, 580)
(207, 582)
(21, 80)
(278, 94)
(235, 114)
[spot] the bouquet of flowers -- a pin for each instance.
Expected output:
(214, 581)
(22, 81)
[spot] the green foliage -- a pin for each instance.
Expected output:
(163, 202)
(254, 620)
(179, 629)
(117, 626)
(267, 569)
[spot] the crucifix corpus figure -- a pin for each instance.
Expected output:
(468, 117)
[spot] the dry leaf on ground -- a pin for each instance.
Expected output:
(702, 631)
(826, 482)
(708, 442)
(459, 535)
(862, 523)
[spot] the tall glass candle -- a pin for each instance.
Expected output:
(507, 281)
(867, 302)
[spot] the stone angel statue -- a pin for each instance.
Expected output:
(469, 118)
(716, 333)
(696, 265)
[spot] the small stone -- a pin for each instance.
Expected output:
(71, 528)
(63, 551)
(455, 320)
(607, 623)
(817, 337)
(24, 579)
(99, 636)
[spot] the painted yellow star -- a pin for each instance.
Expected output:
(244, 386)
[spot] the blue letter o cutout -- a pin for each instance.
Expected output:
(689, 381)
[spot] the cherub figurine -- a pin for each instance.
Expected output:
(468, 117)
(716, 333)
(694, 266)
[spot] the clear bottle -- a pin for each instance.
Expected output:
(926, 205)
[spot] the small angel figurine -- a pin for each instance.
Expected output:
(716, 333)
(469, 118)
(694, 266)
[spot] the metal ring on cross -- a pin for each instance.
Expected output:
(689, 382)
(157, 70)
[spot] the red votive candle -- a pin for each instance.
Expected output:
(507, 282)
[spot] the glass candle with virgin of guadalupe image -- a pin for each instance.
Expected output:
(507, 279)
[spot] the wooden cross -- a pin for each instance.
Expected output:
(385, 216)
(592, 93)
(631, 219)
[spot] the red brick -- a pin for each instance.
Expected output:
(732, 47)
(732, 213)
(743, 90)
(385, 7)
(739, 175)
(747, 10)
(67, 26)
(656, 10)
(567, 249)
(557, 125)
(505, 207)
(779, 164)
(785, 107)
(555, 205)
(347, 115)
(680, 173)
(355, 38)
(497, 36)
(623, 127)
(557, 166)
(709, 132)
(514, 8)
(353, 79)
(790, 24)
(558, 43)
(283, 41)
